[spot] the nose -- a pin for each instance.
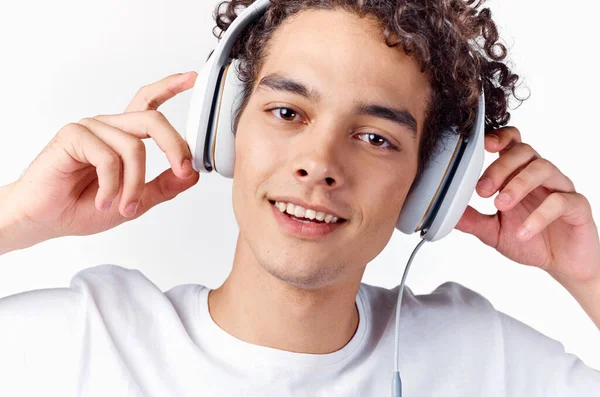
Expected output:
(317, 160)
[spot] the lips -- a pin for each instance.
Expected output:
(299, 202)
(305, 216)
(304, 228)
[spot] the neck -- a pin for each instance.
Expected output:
(256, 307)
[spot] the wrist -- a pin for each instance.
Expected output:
(586, 280)
(586, 292)
(14, 232)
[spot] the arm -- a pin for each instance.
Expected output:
(40, 342)
(543, 222)
(587, 294)
(536, 365)
(15, 232)
(74, 187)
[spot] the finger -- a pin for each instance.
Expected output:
(86, 147)
(500, 171)
(572, 207)
(164, 187)
(153, 124)
(539, 172)
(502, 139)
(484, 227)
(133, 155)
(151, 96)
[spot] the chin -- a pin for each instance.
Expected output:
(304, 273)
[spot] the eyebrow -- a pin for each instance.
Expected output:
(401, 117)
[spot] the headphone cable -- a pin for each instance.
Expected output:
(396, 381)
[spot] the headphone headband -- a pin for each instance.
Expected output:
(434, 203)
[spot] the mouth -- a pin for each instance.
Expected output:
(300, 223)
(306, 216)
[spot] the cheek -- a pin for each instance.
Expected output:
(385, 204)
(255, 153)
(256, 158)
(383, 215)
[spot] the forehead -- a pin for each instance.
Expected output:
(345, 58)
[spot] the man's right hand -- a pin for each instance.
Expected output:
(91, 175)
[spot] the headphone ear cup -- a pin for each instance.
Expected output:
(426, 189)
(197, 125)
(439, 198)
(207, 105)
(461, 187)
(231, 94)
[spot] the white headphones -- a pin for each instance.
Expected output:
(434, 204)
(436, 200)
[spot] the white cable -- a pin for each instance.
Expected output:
(398, 306)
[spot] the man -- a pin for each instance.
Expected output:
(293, 317)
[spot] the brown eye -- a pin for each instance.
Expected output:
(286, 114)
(376, 140)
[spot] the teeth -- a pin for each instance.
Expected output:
(301, 212)
(290, 208)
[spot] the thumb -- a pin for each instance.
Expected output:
(484, 227)
(165, 187)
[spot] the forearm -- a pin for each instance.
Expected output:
(587, 294)
(15, 232)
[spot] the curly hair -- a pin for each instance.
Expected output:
(455, 41)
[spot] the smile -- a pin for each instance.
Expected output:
(300, 213)
(304, 223)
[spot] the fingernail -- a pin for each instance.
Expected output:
(186, 165)
(131, 209)
(494, 138)
(106, 205)
(485, 184)
(522, 232)
(184, 76)
(504, 198)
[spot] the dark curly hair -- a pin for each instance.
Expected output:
(453, 40)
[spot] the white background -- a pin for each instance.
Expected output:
(64, 60)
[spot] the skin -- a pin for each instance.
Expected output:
(295, 294)
(286, 292)
(298, 295)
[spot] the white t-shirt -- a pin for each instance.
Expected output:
(114, 333)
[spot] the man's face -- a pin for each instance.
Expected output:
(319, 148)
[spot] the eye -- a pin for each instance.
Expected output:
(285, 114)
(377, 140)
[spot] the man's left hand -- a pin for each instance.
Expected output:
(561, 236)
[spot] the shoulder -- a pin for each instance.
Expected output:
(449, 296)
(450, 309)
(109, 276)
(452, 296)
(122, 289)
(459, 308)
